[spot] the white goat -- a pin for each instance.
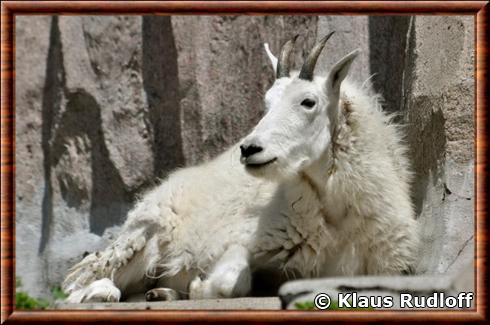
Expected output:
(322, 190)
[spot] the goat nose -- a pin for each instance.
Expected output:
(247, 151)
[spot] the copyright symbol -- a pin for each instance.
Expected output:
(322, 301)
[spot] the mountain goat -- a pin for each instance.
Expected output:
(319, 188)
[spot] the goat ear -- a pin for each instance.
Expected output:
(271, 56)
(340, 71)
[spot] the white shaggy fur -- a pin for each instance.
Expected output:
(334, 202)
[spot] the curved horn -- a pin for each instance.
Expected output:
(306, 72)
(283, 62)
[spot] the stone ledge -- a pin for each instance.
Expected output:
(301, 291)
(268, 303)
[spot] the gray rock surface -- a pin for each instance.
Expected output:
(301, 291)
(268, 303)
(30, 88)
(438, 111)
(351, 32)
(106, 106)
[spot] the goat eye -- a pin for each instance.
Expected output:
(309, 103)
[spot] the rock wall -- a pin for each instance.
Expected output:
(429, 82)
(107, 105)
(439, 101)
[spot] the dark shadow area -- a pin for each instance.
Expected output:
(426, 139)
(266, 283)
(52, 95)
(392, 42)
(161, 83)
(387, 46)
(390, 52)
(427, 148)
(110, 201)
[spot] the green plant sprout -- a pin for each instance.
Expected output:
(310, 305)
(24, 301)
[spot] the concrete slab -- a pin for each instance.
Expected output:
(374, 287)
(263, 303)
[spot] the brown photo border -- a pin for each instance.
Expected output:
(479, 9)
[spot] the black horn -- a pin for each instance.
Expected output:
(306, 72)
(283, 62)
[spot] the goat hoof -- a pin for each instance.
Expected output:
(102, 290)
(161, 294)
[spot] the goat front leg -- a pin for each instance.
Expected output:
(153, 215)
(103, 290)
(93, 277)
(230, 277)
